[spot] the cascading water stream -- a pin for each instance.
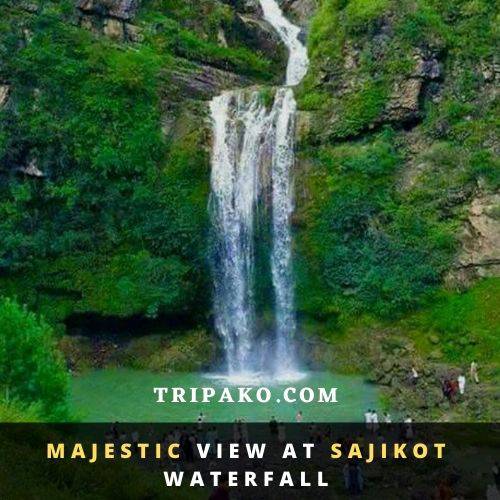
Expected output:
(246, 136)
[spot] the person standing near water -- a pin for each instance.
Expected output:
(273, 426)
(374, 420)
(473, 372)
(368, 419)
(461, 383)
(201, 419)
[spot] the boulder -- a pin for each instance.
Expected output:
(301, 11)
(110, 17)
(257, 34)
(427, 66)
(114, 28)
(30, 7)
(247, 6)
(387, 365)
(490, 70)
(404, 103)
(435, 354)
(133, 33)
(303, 126)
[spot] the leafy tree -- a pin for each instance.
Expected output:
(31, 369)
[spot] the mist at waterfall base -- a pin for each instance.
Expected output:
(252, 164)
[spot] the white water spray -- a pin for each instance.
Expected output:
(245, 137)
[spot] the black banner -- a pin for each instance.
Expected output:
(240, 460)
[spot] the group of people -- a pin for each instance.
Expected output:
(372, 420)
(452, 386)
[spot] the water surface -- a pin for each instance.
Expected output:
(127, 396)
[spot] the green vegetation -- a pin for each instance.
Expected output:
(117, 224)
(32, 371)
(191, 351)
(361, 49)
(170, 38)
(384, 205)
(375, 249)
(466, 324)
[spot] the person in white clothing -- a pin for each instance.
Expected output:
(461, 383)
(387, 418)
(200, 420)
(473, 372)
(374, 419)
(298, 417)
(368, 419)
(414, 375)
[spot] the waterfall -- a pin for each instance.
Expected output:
(253, 147)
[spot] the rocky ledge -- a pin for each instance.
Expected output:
(174, 352)
(480, 239)
(111, 18)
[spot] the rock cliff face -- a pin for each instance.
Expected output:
(480, 240)
(118, 89)
(408, 94)
(398, 165)
(112, 18)
(124, 10)
(301, 11)
(256, 33)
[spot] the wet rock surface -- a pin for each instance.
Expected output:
(257, 34)
(204, 82)
(300, 10)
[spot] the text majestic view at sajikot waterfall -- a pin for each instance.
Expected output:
(252, 161)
